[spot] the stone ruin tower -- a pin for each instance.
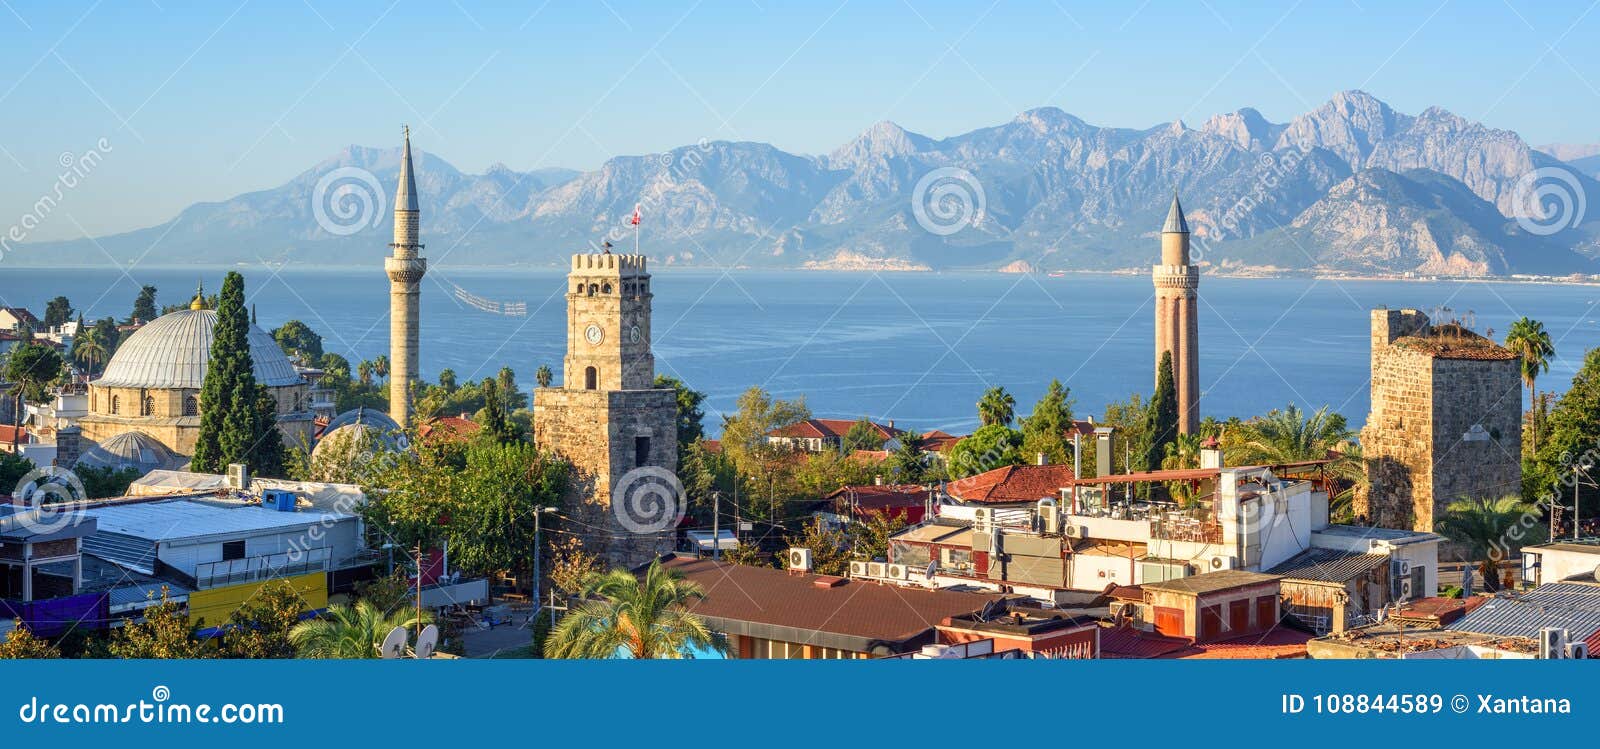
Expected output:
(1446, 420)
(607, 417)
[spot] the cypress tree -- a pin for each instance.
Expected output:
(229, 413)
(1162, 421)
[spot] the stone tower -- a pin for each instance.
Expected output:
(405, 269)
(608, 419)
(1446, 420)
(1177, 323)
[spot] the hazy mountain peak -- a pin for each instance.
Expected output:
(884, 140)
(1245, 128)
(1049, 119)
(1350, 124)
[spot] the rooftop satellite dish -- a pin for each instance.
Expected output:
(428, 641)
(394, 645)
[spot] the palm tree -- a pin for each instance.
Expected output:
(89, 349)
(364, 371)
(1531, 343)
(380, 366)
(543, 376)
(1183, 452)
(1484, 527)
(349, 631)
(1292, 436)
(644, 616)
(996, 407)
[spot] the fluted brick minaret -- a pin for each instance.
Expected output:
(1177, 325)
(405, 269)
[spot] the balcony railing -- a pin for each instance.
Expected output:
(1186, 526)
(251, 569)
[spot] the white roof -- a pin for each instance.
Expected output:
(172, 352)
(182, 519)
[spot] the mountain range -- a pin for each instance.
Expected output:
(1352, 186)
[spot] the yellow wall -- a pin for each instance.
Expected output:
(215, 605)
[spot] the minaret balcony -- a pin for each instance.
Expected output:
(405, 269)
(1175, 276)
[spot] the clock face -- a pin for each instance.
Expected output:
(634, 334)
(594, 335)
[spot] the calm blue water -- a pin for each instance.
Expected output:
(914, 347)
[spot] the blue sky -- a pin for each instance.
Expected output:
(201, 101)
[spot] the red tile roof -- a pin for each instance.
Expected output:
(449, 427)
(1277, 643)
(9, 434)
(869, 457)
(775, 597)
(1027, 483)
(827, 429)
(1129, 642)
(872, 497)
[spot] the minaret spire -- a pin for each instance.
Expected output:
(1177, 327)
(405, 269)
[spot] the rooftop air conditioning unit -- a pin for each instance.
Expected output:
(876, 569)
(238, 477)
(1224, 563)
(982, 518)
(1578, 650)
(800, 560)
(1075, 531)
(1049, 518)
(1552, 642)
(858, 569)
(1405, 589)
(1402, 567)
(896, 571)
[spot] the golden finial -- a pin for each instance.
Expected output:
(199, 297)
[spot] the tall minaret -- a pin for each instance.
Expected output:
(405, 271)
(1177, 325)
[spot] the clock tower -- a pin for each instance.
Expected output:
(607, 418)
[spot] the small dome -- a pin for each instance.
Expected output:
(135, 450)
(172, 352)
(361, 429)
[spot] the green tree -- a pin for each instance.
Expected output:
(1045, 430)
(691, 417)
(494, 417)
(31, 367)
(105, 481)
(991, 447)
(996, 407)
(1291, 436)
(364, 370)
(20, 644)
(862, 435)
(266, 453)
(298, 341)
(57, 312)
(350, 632)
(165, 633)
(90, 348)
(12, 468)
(380, 366)
(1572, 431)
(907, 463)
(544, 376)
(744, 434)
(1182, 453)
(1162, 424)
(447, 380)
(229, 413)
(260, 628)
(869, 536)
(496, 496)
(645, 616)
(1531, 343)
(1491, 529)
(144, 306)
(829, 546)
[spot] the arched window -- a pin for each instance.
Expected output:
(593, 288)
(606, 289)
(191, 406)
(147, 407)
(116, 404)
(591, 378)
(579, 290)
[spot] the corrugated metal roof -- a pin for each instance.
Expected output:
(1328, 565)
(140, 594)
(1574, 607)
(169, 520)
(134, 553)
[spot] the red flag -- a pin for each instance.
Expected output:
(635, 219)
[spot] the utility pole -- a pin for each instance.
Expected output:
(538, 548)
(716, 534)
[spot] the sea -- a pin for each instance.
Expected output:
(915, 348)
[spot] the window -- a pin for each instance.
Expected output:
(191, 406)
(641, 451)
(606, 289)
(232, 550)
(116, 404)
(147, 407)
(591, 378)
(593, 288)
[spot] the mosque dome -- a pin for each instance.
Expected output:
(172, 352)
(135, 450)
(362, 429)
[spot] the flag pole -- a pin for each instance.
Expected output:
(636, 221)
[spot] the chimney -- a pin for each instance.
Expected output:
(877, 480)
(1040, 458)
(69, 446)
(1210, 453)
(891, 423)
(1103, 450)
